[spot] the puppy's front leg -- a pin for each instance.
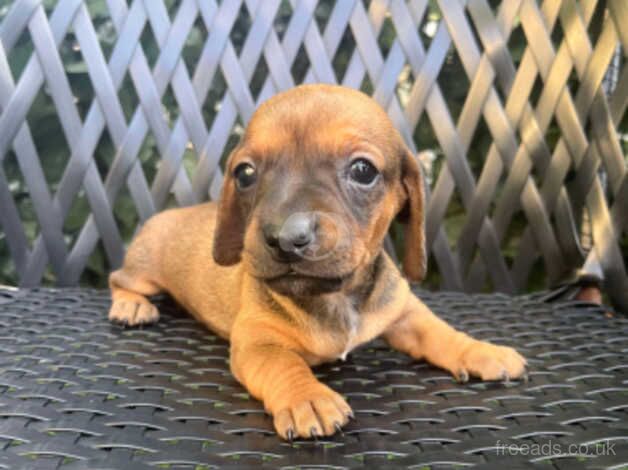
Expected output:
(268, 364)
(422, 335)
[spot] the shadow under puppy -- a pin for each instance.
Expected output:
(289, 265)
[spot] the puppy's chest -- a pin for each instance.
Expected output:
(338, 328)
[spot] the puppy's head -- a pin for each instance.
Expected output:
(312, 188)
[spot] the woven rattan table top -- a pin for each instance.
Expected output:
(78, 392)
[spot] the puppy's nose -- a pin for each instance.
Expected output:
(292, 237)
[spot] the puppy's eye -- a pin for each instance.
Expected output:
(245, 175)
(363, 172)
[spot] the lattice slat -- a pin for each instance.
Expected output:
(532, 149)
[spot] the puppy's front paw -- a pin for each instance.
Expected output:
(133, 313)
(318, 412)
(489, 362)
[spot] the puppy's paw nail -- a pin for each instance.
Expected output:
(338, 428)
(463, 376)
(290, 434)
(505, 377)
(313, 432)
(350, 415)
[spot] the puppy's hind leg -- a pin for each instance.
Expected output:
(128, 294)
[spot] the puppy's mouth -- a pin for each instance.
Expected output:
(293, 280)
(292, 274)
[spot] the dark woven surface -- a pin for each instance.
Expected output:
(77, 392)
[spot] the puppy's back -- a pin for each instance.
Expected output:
(174, 249)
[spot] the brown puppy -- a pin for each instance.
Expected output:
(289, 265)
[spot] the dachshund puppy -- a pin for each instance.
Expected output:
(289, 265)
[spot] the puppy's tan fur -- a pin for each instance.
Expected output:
(212, 259)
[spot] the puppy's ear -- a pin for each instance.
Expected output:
(230, 225)
(414, 257)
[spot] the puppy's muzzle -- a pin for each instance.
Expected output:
(309, 235)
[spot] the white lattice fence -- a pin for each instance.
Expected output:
(146, 99)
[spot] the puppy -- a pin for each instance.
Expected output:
(289, 264)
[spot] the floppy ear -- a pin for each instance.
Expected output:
(230, 225)
(414, 256)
